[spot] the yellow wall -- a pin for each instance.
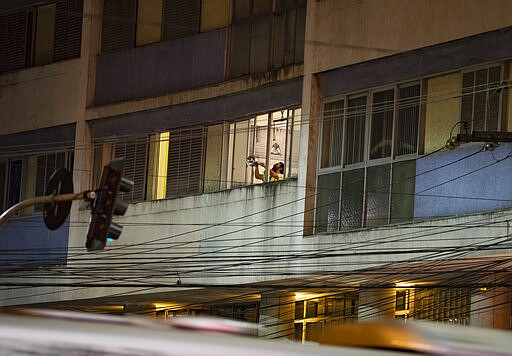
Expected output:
(214, 14)
(149, 21)
(341, 32)
(442, 110)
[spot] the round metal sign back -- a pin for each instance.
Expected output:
(54, 214)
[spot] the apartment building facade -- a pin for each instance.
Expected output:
(375, 216)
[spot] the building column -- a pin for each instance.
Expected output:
(376, 303)
(276, 316)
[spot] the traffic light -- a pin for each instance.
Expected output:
(106, 204)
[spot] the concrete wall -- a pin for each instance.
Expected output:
(250, 235)
(28, 242)
(343, 32)
(41, 97)
(465, 180)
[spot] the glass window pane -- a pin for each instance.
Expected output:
(377, 195)
(297, 331)
(213, 164)
(332, 134)
(294, 132)
(382, 124)
(355, 130)
(468, 82)
(493, 121)
(480, 111)
(352, 194)
(260, 144)
(408, 120)
(402, 191)
(162, 163)
(480, 100)
(278, 138)
(240, 153)
(327, 203)
(299, 309)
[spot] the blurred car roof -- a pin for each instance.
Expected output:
(39, 332)
(418, 336)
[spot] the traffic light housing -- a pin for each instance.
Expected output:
(106, 204)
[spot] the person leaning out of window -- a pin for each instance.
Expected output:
(276, 173)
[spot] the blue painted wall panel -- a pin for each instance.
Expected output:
(28, 242)
(462, 181)
(161, 68)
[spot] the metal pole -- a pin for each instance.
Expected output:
(44, 200)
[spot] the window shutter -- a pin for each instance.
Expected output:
(136, 156)
(184, 172)
(13, 39)
(181, 18)
(119, 23)
(68, 29)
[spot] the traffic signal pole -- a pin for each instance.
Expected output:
(104, 203)
(49, 199)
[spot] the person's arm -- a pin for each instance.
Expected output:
(275, 175)
(257, 173)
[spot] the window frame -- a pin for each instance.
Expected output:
(367, 163)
